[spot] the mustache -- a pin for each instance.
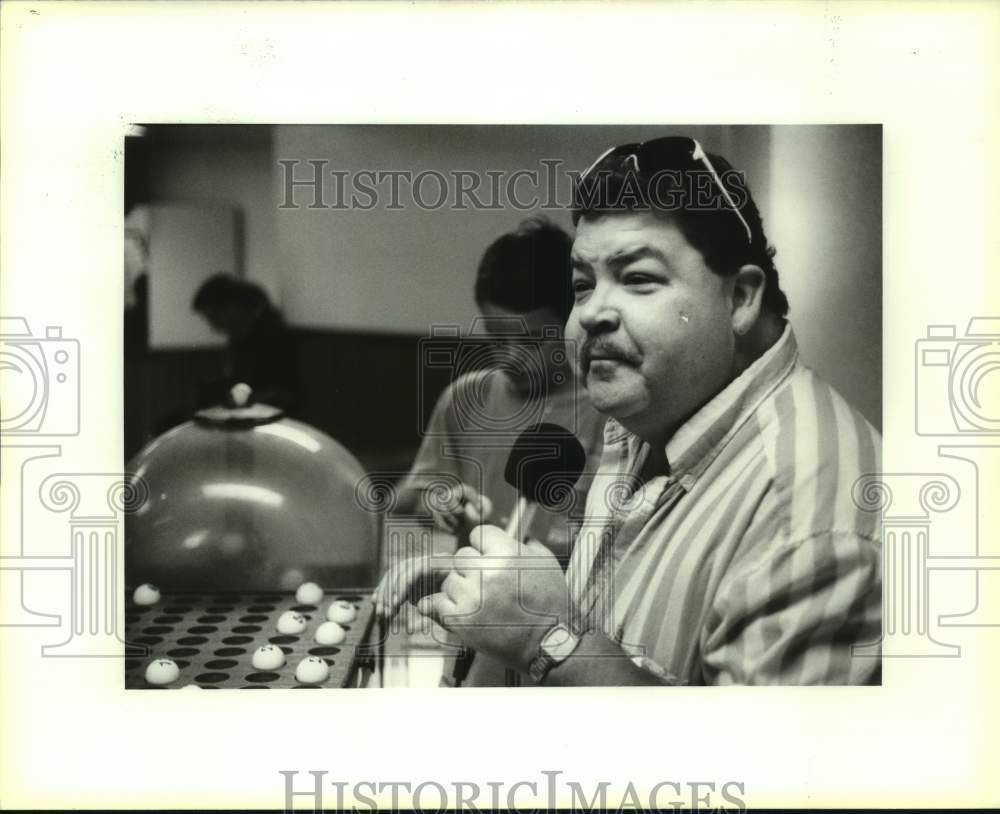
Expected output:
(601, 348)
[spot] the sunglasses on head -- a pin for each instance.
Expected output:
(668, 153)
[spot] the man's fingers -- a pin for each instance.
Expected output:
(446, 521)
(493, 541)
(478, 509)
(466, 594)
(468, 493)
(537, 549)
(476, 537)
(464, 560)
(438, 607)
(380, 590)
(458, 587)
(469, 507)
(387, 592)
(407, 580)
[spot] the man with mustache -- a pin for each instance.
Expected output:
(721, 543)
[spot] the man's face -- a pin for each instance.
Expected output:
(651, 322)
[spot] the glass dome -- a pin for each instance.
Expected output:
(243, 499)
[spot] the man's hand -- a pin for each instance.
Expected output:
(501, 597)
(458, 512)
(409, 580)
(466, 508)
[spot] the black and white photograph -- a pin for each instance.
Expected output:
(557, 405)
(594, 404)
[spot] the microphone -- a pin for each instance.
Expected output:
(544, 465)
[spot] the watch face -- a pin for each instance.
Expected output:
(559, 642)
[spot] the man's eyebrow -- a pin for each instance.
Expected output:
(623, 257)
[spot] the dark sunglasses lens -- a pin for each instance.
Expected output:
(670, 153)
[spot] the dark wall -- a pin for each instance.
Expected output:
(364, 390)
(163, 389)
(368, 391)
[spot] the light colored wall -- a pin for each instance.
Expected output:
(826, 222)
(402, 271)
(236, 174)
(187, 244)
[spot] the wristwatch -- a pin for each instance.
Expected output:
(555, 647)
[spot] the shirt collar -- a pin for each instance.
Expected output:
(697, 442)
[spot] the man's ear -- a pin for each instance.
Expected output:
(747, 296)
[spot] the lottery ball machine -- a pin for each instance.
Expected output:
(245, 532)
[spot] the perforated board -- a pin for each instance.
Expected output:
(212, 638)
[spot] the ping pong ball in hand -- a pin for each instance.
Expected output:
(341, 612)
(268, 657)
(330, 633)
(146, 594)
(312, 670)
(309, 593)
(162, 671)
(291, 622)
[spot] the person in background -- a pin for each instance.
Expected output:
(259, 349)
(523, 292)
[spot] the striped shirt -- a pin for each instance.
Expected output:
(747, 562)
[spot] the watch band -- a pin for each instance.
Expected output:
(549, 656)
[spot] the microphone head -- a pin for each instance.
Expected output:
(545, 463)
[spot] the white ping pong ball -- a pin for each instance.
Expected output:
(162, 671)
(146, 594)
(291, 622)
(309, 593)
(268, 657)
(330, 633)
(341, 611)
(312, 670)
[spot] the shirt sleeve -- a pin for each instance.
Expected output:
(429, 466)
(796, 615)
